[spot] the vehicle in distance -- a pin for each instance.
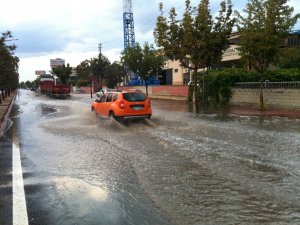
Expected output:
(51, 86)
(104, 91)
(123, 105)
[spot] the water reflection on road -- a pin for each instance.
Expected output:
(177, 168)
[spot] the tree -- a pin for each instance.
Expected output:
(98, 66)
(262, 30)
(9, 64)
(289, 58)
(93, 70)
(145, 61)
(113, 74)
(63, 73)
(197, 40)
(28, 84)
(83, 71)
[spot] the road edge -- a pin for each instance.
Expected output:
(3, 121)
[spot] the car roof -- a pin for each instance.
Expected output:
(113, 90)
(125, 91)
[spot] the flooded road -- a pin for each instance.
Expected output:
(177, 168)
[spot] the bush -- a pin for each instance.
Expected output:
(220, 82)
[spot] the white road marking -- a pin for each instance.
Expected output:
(20, 216)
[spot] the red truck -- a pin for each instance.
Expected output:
(52, 87)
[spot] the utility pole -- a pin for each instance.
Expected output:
(100, 64)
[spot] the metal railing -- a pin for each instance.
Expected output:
(267, 84)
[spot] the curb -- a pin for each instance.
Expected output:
(3, 121)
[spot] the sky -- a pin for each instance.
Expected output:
(72, 29)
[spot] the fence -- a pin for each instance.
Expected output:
(276, 94)
(267, 84)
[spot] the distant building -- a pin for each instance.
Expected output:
(174, 74)
(57, 62)
(40, 72)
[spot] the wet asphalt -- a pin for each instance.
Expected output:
(177, 168)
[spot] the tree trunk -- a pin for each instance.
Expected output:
(92, 89)
(207, 88)
(196, 97)
(261, 94)
(3, 94)
(146, 88)
(101, 83)
(203, 91)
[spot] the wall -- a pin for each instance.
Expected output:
(141, 88)
(86, 89)
(273, 98)
(176, 92)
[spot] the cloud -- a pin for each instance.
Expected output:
(73, 29)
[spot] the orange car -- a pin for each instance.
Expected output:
(123, 105)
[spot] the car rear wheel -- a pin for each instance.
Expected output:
(117, 118)
(112, 115)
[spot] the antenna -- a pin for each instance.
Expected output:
(128, 24)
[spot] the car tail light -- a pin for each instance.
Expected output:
(121, 104)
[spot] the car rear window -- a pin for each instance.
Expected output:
(134, 97)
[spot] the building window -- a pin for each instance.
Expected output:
(176, 70)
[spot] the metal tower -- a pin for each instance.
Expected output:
(128, 24)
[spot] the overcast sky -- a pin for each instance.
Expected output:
(72, 29)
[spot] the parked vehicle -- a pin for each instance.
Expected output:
(123, 105)
(104, 91)
(51, 86)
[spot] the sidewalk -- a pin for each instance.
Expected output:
(250, 111)
(5, 109)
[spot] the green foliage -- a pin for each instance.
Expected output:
(113, 74)
(289, 58)
(145, 61)
(190, 93)
(83, 70)
(221, 82)
(198, 40)
(9, 64)
(262, 30)
(30, 84)
(80, 83)
(92, 69)
(63, 73)
(22, 85)
(280, 75)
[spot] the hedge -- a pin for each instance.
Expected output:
(220, 82)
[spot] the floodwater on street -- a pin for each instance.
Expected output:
(177, 168)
